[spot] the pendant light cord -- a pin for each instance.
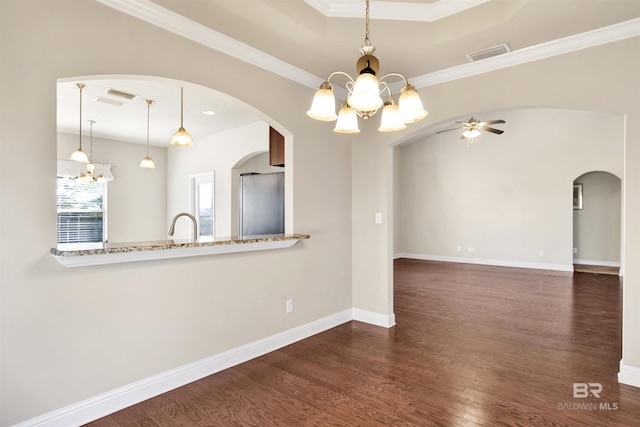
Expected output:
(148, 108)
(91, 122)
(80, 86)
(182, 106)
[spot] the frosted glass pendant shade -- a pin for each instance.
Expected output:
(365, 96)
(470, 133)
(79, 156)
(390, 121)
(410, 105)
(181, 138)
(347, 121)
(147, 163)
(323, 106)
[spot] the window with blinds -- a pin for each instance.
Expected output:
(81, 211)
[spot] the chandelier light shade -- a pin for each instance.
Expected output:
(347, 120)
(410, 105)
(181, 138)
(323, 107)
(390, 120)
(79, 155)
(147, 162)
(365, 96)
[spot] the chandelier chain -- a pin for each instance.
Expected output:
(366, 25)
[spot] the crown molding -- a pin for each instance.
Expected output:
(157, 15)
(161, 17)
(597, 37)
(397, 11)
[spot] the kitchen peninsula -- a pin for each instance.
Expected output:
(87, 254)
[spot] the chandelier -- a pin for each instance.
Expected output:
(365, 96)
(91, 176)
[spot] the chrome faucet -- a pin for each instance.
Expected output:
(195, 224)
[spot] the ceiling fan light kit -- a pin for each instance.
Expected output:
(364, 98)
(472, 129)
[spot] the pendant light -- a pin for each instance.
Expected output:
(147, 162)
(88, 177)
(79, 155)
(181, 138)
(364, 96)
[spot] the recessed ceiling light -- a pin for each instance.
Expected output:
(208, 112)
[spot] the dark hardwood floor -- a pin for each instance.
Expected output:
(473, 346)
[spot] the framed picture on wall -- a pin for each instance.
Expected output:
(577, 196)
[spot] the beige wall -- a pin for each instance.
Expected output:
(599, 79)
(70, 334)
(596, 227)
(507, 198)
(136, 198)
(216, 153)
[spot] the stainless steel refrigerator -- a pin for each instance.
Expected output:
(261, 204)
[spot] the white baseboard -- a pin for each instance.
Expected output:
(498, 263)
(596, 262)
(120, 398)
(384, 320)
(629, 375)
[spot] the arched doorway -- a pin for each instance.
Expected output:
(597, 219)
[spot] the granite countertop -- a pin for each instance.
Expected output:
(89, 254)
(84, 249)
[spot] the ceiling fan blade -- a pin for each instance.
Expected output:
(449, 130)
(491, 122)
(492, 130)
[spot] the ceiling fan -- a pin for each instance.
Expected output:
(472, 128)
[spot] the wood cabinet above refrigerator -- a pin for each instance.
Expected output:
(276, 148)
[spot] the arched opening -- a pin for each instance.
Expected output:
(504, 200)
(142, 202)
(597, 219)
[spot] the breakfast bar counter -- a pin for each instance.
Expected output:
(87, 254)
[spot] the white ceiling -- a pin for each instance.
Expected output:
(128, 122)
(426, 40)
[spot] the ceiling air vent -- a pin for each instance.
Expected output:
(488, 52)
(109, 101)
(120, 94)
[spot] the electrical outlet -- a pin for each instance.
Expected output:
(289, 305)
(471, 249)
(457, 248)
(541, 253)
(575, 250)
(378, 218)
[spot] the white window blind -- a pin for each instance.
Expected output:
(81, 211)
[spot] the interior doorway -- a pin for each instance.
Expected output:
(597, 222)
